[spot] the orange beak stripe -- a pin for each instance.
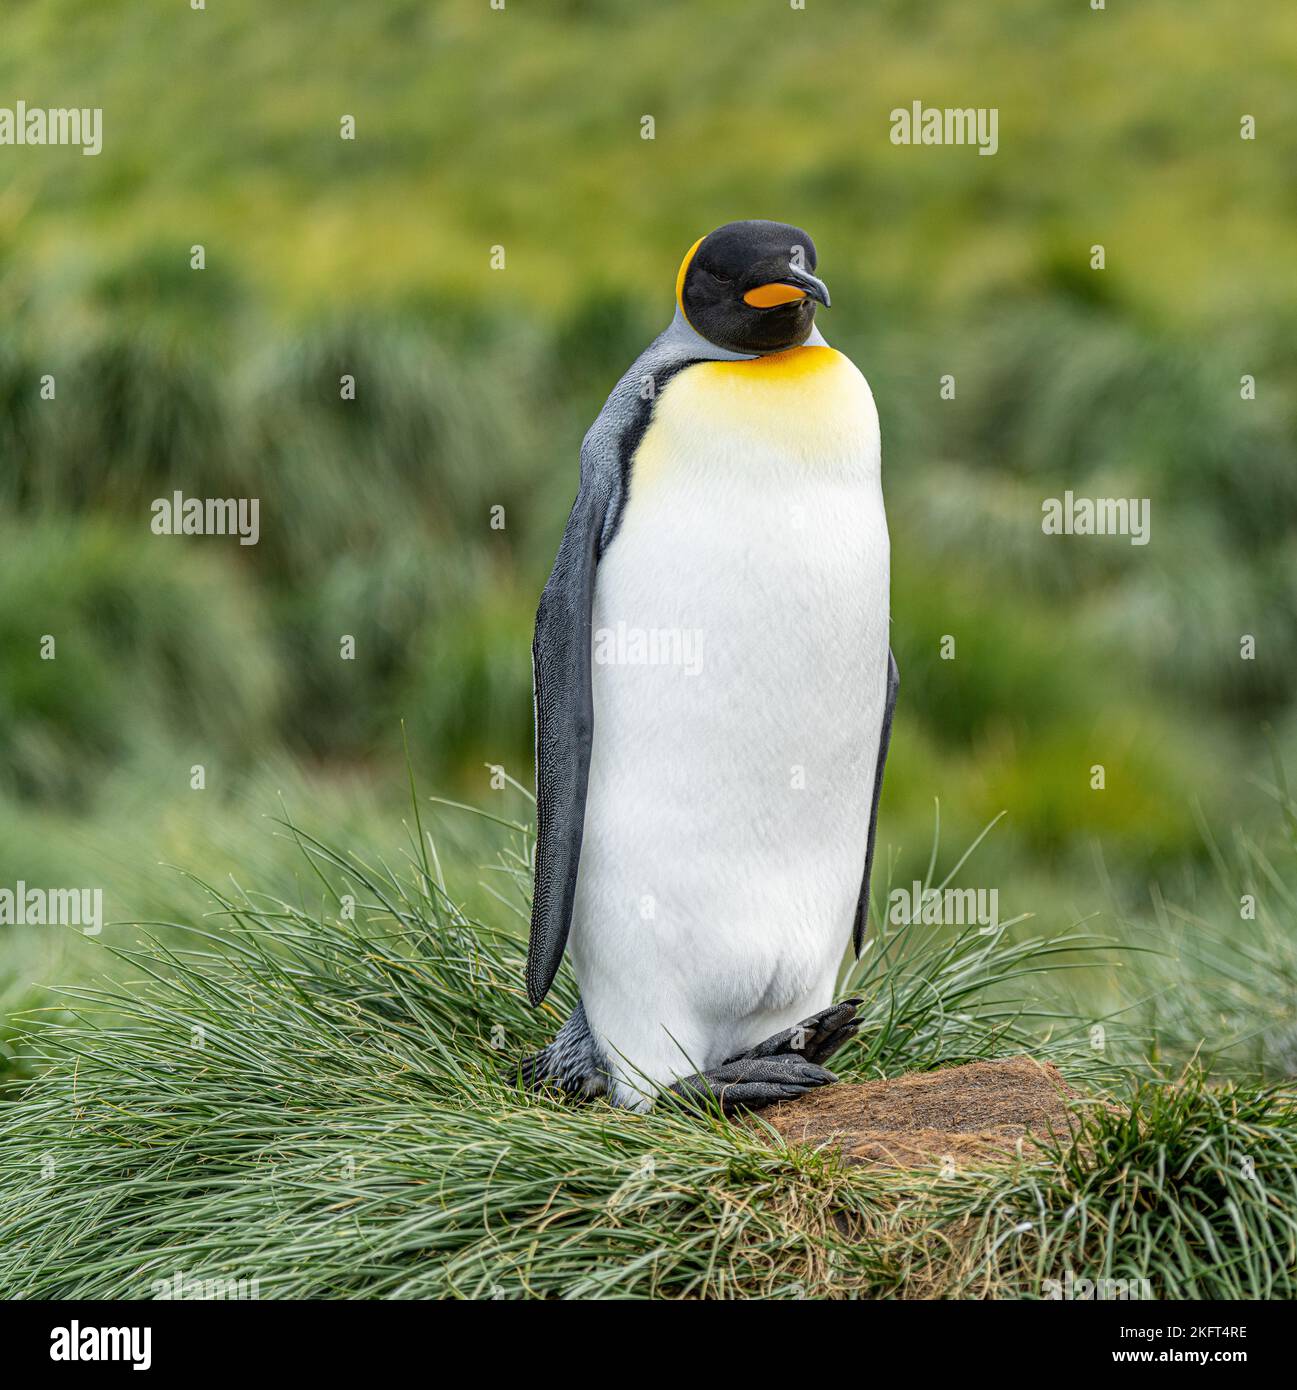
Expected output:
(767, 296)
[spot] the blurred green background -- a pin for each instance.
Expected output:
(521, 128)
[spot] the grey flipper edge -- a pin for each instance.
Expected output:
(884, 739)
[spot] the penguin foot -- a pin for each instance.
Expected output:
(783, 1066)
(816, 1038)
(752, 1083)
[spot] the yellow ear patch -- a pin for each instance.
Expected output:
(767, 296)
(680, 277)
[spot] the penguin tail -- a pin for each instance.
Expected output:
(570, 1064)
(535, 1070)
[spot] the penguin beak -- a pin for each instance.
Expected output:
(796, 284)
(813, 286)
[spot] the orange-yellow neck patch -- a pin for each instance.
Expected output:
(784, 366)
(808, 405)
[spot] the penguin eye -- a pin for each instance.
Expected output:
(721, 279)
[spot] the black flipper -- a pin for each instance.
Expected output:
(564, 734)
(885, 738)
(561, 649)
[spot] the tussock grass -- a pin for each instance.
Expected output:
(1227, 952)
(1190, 1187)
(323, 1099)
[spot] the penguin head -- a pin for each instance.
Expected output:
(749, 287)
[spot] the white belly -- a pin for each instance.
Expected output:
(740, 652)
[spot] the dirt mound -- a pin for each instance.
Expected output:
(962, 1116)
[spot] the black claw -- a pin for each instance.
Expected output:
(816, 1038)
(834, 1041)
(751, 1083)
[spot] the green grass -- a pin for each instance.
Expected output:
(147, 822)
(1192, 1188)
(478, 127)
(325, 1103)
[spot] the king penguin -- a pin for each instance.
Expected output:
(713, 697)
